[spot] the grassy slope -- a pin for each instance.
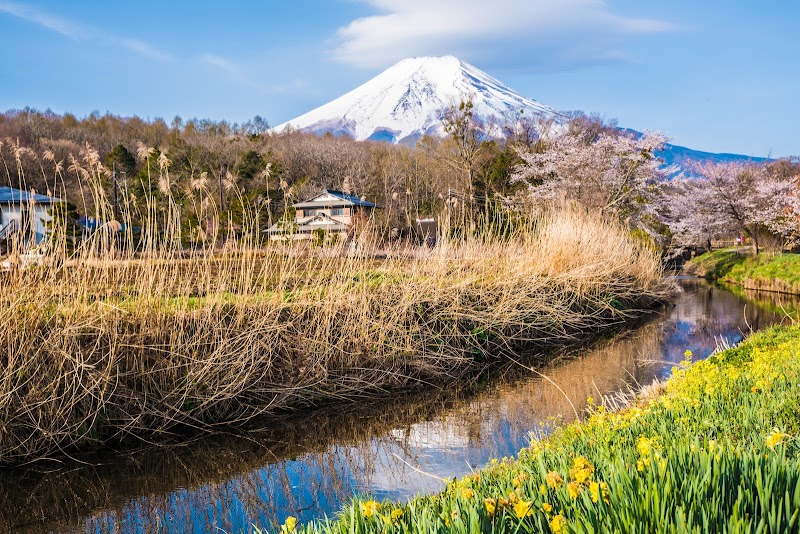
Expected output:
(718, 450)
(765, 272)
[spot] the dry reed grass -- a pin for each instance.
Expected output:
(140, 339)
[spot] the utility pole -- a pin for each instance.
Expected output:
(449, 195)
(125, 187)
(269, 200)
(219, 187)
(116, 190)
(180, 218)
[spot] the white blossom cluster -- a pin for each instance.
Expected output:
(616, 173)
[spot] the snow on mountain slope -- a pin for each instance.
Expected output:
(409, 99)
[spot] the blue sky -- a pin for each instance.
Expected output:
(721, 76)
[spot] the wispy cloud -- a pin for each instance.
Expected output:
(225, 65)
(221, 63)
(76, 31)
(292, 86)
(143, 49)
(536, 34)
(45, 20)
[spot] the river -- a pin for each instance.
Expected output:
(308, 465)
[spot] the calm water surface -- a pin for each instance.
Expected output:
(307, 466)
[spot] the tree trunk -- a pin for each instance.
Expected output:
(753, 234)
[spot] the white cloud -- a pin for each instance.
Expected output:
(143, 49)
(225, 65)
(537, 34)
(219, 62)
(77, 31)
(292, 86)
(45, 20)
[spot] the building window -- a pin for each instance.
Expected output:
(337, 211)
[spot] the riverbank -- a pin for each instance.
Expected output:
(778, 273)
(100, 352)
(716, 448)
(443, 431)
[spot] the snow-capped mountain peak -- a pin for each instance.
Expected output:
(409, 99)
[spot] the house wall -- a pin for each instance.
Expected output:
(42, 218)
(344, 216)
(9, 212)
(304, 236)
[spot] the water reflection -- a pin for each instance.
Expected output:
(308, 466)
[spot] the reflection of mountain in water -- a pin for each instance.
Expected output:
(308, 465)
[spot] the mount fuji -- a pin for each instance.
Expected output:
(409, 100)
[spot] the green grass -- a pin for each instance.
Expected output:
(766, 272)
(717, 450)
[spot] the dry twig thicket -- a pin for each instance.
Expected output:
(136, 337)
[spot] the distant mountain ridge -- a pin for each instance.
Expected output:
(409, 100)
(679, 155)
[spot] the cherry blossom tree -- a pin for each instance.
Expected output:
(610, 171)
(733, 199)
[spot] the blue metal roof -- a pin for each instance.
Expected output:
(9, 195)
(90, 223)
